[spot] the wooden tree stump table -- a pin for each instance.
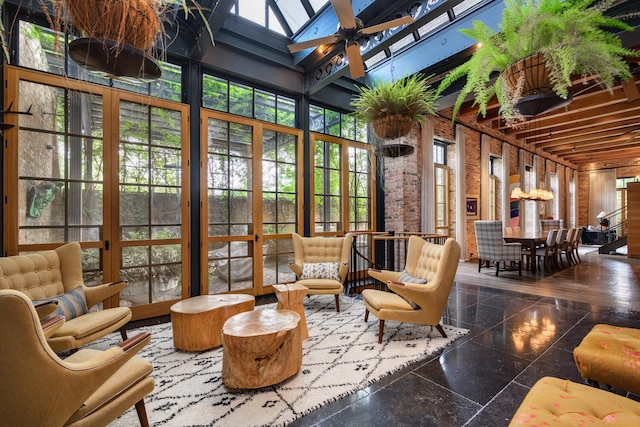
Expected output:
(197, 322)
(260, 348)
(291, 297)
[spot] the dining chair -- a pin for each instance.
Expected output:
(560, 241)
(492, 247)
(567, 246)
(576, 244)
(550, 224)
(549, 251)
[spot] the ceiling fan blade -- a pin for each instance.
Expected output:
(386, 25)
(344, 12)
(297, 47)
(356, 65)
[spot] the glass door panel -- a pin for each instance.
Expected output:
(230, 228)
(151, 236)
(279, 207)
(60, 172)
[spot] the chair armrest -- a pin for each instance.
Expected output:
(96, 294)
(418, 293)
(384, 275)
(296, 268)
(45, 308)
(136, 343)
(51, 325)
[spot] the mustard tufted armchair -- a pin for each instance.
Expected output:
(322, 263)
(89, 388)
(56, 275)
(413, 300)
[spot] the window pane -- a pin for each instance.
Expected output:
(214, 93)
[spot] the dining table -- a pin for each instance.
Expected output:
(528, 239)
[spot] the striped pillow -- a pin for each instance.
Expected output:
(408, 278)
(70, 305)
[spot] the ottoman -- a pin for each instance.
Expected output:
(610, 355)
(555, 402)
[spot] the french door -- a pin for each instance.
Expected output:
(105, 168)
(250, 192)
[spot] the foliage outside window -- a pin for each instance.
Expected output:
(44, 49)
(331, 122)
(359, 189)
(327, 188)
(235, 98)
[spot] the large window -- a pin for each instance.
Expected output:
(327, 187)
(342, 186)
(105, 168)
(334, 123)
(441, 183)
(230, 97)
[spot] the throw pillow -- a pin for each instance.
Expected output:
(321, 270)
(70, 305)
(408, 278)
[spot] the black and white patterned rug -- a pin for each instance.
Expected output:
(341, 356)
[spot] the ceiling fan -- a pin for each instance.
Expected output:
(350, 31)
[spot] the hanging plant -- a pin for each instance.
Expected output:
(393, 108)
(568, 38)
(118, 36)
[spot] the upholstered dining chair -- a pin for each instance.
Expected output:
(561, 240)
(547, 257)
(550, 224)
(89, 388)
(492, 247)
(567, 246)
(576, 245)
(419, 293)
(322, 263)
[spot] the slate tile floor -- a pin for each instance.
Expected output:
(480, 380)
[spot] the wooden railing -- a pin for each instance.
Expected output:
(381, 250)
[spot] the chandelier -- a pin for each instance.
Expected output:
(537, 194)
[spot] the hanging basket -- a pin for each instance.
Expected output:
(537, 95)
(393, 126)
(532, 72)
(131, 22)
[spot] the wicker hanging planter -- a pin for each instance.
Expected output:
(536, 95)
(118, 36)
(392, 126)
(131, 22)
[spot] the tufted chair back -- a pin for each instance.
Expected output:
(322, 250)
(89, 388)
(56, 275)
(409, 301)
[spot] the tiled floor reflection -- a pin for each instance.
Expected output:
(515, 339)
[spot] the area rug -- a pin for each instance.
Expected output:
(340, 357)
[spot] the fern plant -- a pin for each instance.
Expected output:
(574, 36)
(410, 96)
